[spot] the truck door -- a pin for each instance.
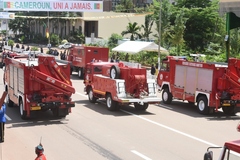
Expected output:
(69, 55)
(163, 75)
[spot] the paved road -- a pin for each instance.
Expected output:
(165, 132)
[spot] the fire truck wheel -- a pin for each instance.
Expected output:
(9, 102)
(229, 110)
(166, 96)
(23, 113)
(202, 105)
(91, 96)
(115, 72)
(141, 107)
(111, 104)
(80, 73)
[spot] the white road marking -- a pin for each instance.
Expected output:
(166, 127)
(82, 94)
(8, 118)
(163, 106)
(171, 129)
(141, 155)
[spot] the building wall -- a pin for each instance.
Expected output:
(110, 22)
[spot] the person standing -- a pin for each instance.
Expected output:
(39, 151)
(127, 58)
(113, 56)
(41, 50)
(157, 69)
(153, 71)
(117, 59)
(2, 122)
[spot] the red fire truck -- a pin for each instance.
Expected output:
(230, 150)
(38, 84)
(211, 86)
(119, 84)
(79, 56)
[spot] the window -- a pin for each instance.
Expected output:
(97, 69)
(165, 66)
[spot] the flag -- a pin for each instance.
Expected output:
(8, 5)
(97, 6)
(47, 33)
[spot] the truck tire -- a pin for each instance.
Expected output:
(141, 107)
(80, 73)
(111, 104)
(166, 96)
(23, 113)
(8, 101)
(202, 105)
(229, 110)
(91, 96)
(115, 72)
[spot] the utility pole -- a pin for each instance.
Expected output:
(48, 30)
(159, 32)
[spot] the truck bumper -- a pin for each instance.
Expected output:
(50, 105)
(139, 100)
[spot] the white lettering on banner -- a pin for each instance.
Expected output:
(52, 5)
(192, 64)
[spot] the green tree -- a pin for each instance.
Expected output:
(125, 6)
(113, 40)
(20, 25)
(147, 27)
(178, 31)
(201, 23)
(166, 12)
(193, 3)
(134, 30)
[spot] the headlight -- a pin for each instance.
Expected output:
(121, 87)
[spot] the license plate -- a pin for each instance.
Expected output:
(35, 108)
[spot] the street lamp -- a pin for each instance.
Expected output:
(159, 32)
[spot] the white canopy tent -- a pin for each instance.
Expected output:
(137, 46)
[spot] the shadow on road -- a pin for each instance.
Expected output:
(41, 118)
(100, 107)
(191, 110)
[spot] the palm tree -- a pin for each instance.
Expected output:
(132, 29)
(19, 24)
(147, 27)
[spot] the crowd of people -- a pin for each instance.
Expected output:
(116, 58)
(63, 55)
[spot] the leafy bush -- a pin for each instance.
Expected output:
(113, 40)
(64, 41)
(10, 42)
(34, 48)
(54, 39)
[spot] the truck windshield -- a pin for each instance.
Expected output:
(97, 69)
(165, 66)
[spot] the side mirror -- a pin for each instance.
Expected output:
(208, 155)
